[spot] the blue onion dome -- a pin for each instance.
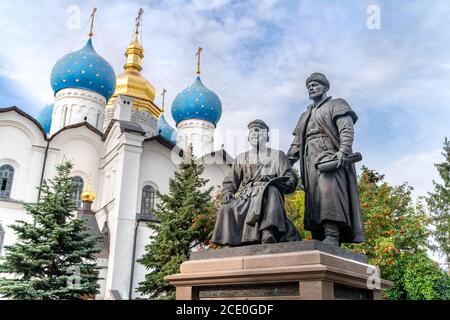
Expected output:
(164, 129)
(45, 117)
(197, 102)
(84, 69)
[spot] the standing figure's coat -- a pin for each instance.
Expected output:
(258, 199)
(321, 131)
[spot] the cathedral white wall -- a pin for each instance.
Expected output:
(22, 145)
(16, 150)
(199, 133)
(83, 148)
(215, 173)
(142, 239)
(10, 212)
(156, 167)
(73, 105)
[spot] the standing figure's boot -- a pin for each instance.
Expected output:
(331, 231)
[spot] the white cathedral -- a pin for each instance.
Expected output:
(122, 149)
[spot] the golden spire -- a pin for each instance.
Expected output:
(130, 82)
(88, 194)
(135, 52)
(163, 94)
(198, 59)
(90, 34)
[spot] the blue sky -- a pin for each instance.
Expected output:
(256, 57)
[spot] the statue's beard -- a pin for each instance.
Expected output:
(313, 96)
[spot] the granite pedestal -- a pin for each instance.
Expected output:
(303, 270)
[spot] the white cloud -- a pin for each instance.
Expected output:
(210, 5)
(416, 169)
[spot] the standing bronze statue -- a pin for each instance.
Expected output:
(322, 143)
(252, 208)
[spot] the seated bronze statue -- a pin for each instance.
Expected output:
(252, 208)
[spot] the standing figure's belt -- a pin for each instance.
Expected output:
(315, 135)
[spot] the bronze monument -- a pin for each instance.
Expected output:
(322, 143)
(252, 208)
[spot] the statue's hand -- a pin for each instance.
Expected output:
(226, 197)
(283, 186)
(342, 159)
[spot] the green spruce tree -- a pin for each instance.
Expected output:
(185, 223)
(439, 205)
(53, 257)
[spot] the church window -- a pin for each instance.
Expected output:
(79, 186)
(148, 199)
(6, 180)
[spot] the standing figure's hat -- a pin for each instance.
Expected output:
(318, 77)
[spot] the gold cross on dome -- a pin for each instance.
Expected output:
(198, 59)
(90, 34)
(163, 94)
(139, 19)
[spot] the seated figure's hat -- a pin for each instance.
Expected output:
(258, 123)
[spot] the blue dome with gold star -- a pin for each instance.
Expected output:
(45, 117)
(197, 102)
(164, 129)
(84, 69)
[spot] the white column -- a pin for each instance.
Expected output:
(123, 219)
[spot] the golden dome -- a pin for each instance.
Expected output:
(131, 83)
(88, 194)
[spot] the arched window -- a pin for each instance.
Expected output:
(79, 186)
(148, 199)
(6, 180)
(2, 238)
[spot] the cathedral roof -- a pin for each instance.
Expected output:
(84, 69)
(164, 129)
(197, 102)
(27, 116)
(45, 117)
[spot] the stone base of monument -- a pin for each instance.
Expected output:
(303, 270)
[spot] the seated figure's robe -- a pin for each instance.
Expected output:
(256, 204)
